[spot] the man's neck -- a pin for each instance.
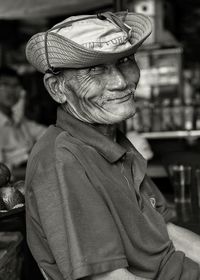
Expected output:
(107, 130)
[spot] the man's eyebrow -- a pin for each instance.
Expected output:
(98, 65)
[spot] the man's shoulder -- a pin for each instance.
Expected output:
(55, 147)
(54, 143)
(55, 138)
(44, 147)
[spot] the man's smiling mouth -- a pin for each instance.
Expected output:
(122, 98)
(117, 98)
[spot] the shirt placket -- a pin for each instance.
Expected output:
(126, 171)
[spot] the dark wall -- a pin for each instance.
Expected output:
(185, 16)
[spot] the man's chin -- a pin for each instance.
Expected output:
(114, 116)
(121, 113)
(114, 119)
(124, 116)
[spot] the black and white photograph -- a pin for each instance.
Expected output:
(99, 140)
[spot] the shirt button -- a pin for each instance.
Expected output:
(153, 201)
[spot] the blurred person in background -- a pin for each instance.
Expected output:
(91, 210)
(17, 133)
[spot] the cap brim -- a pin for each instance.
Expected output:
(65, 53)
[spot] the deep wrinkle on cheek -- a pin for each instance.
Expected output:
(88, 86)
(75, 82)
(84, 82)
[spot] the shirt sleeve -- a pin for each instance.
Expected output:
(152, 191)
(77, 223)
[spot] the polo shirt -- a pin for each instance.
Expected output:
(90, 208)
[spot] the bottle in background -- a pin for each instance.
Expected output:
(166, 115)
(146, 116)
(156, 117)
(197, 112)
(188, 116)
(177, 114)
(188, 90)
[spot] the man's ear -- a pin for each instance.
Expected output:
(54, 87)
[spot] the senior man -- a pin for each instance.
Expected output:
(91, 211)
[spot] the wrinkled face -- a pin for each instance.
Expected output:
(104, 93)
(9, 91)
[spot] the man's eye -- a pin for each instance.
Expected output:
(97, 69)
(126, 59)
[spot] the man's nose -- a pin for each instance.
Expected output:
(117, 80)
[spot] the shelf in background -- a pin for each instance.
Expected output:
(171, 134)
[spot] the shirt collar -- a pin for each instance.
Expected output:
(109, 149)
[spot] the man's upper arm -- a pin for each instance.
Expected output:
(117, 274)
(185, 241)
